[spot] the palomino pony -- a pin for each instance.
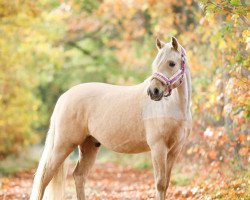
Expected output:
(152, 116)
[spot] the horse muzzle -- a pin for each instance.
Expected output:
(155, 94)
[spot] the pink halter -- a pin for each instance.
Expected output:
(178, 76)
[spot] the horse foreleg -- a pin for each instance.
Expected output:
(159, 158)
(170, 162)
(87, 155)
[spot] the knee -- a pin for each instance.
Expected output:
(78, 177)
(161, 185)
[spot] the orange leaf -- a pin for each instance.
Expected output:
(212, 154)
(242, 137)
(241, 192)
(243, 151)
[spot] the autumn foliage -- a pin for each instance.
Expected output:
(48, 46)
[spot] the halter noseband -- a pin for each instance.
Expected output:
(178, 76)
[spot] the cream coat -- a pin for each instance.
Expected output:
(123, 119)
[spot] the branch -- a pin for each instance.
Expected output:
(230, 10)
(84, 51)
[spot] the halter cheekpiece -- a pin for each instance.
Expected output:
(178, 76)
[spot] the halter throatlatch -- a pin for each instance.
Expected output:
(178, 76)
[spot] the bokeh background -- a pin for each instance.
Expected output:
(48, 46)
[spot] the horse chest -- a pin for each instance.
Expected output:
(162, 109)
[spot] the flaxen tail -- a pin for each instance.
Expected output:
(55, 189)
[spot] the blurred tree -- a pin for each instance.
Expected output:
(27, 59)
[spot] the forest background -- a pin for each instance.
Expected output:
(48, 46)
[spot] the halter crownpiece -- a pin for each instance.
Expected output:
(178, 76)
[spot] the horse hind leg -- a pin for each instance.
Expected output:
(52, 168)
(87, 155)
(56, 172)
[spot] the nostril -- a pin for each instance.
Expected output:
(156, 91)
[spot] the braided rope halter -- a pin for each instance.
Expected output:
(178, 76)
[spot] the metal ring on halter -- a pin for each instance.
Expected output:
(169, 93)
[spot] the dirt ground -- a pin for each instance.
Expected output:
(106, 181)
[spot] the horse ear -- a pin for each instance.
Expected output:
(174, 43)
(159, 44)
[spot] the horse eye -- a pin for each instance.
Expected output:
(171, 64)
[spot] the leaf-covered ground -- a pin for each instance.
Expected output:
(113, 181)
